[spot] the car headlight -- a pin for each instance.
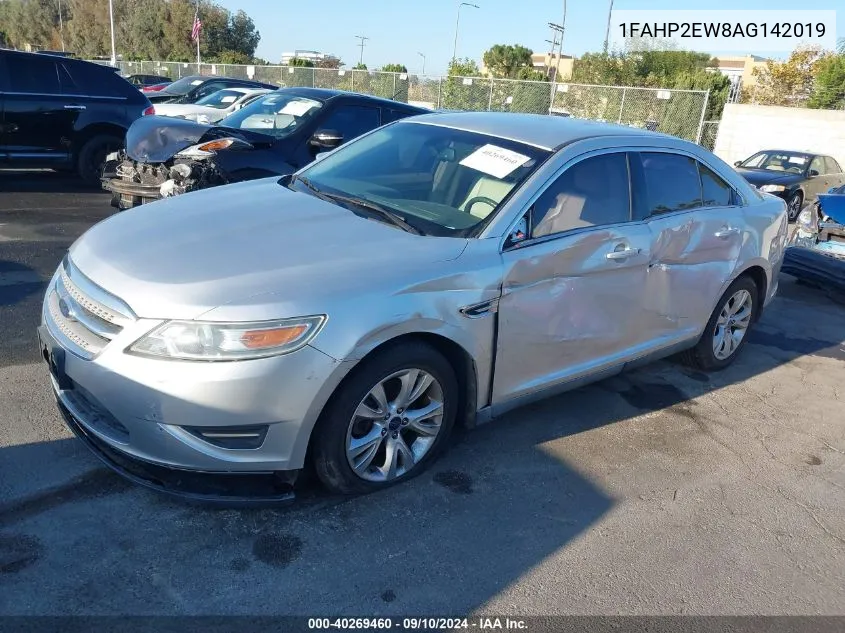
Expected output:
(772, 188)
(207, 341)
(210, 148)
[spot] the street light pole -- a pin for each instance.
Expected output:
(607, 30)
(61, 26)
(111, 22)
(457, 23)
(423, 68)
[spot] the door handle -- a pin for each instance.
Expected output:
(624, 253)
(726, 232)
(74, 107)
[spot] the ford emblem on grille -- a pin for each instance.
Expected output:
(66, 310)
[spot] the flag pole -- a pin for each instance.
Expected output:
(199, 63)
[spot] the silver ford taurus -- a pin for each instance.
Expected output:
(437, 271)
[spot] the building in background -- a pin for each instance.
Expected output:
(312, 56)
(740, 69)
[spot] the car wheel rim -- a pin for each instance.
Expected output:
(395, 425)
(794, 207)
(732, 324)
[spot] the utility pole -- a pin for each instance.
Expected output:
(457, 23)
(555, 60)
(363, 39)
(61, 26)
(607, 30)
(423, 68)
(111, 22)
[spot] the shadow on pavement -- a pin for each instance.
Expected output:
(43, 181)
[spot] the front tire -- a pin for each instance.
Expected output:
(92, 157)
(388, 421)
(727, 329)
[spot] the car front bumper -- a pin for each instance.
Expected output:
(179, 415)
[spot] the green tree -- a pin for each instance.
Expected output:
(304, 63)
(394, 68)
(360, 66)
(789, 82)
(464, 88)
(829, 85)
(507, 61)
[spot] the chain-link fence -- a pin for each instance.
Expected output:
(708, 134)
(676, 112)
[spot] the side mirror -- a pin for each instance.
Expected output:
(326, 139)
(737, 163)
(813, 173)
(519, 232)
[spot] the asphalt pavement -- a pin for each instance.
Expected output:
(663, 491)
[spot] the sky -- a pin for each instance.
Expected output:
(401, 29)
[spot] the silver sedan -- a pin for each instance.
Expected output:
(437, 271)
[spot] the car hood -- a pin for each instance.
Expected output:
(758, 177)
(156, 139)
(181, 257)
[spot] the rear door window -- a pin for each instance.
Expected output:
(831, 166)
(94, 81)
(388, 115)
(34, 74)
(715, 192)
(665, 183)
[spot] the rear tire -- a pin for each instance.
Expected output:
(92, 156)
(353, 453)
(727, 329)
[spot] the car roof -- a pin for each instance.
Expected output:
(540, 130)
(329, 93)
(789, 151)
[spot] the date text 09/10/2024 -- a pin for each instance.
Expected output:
(480, 623)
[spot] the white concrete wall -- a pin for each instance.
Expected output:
(746, 129)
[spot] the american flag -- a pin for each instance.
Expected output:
(195, 31)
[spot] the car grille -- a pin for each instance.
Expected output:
(82, 315)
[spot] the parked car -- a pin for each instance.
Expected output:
(274, 135)
(216, 106)
(155, 87)
(439, 270)
(797, 177)
(63, 113)
(817, 247)
(142, 81)
(193, 88)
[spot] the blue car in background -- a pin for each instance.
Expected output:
(817, 247)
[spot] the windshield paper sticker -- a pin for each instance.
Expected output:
(494, 161)
(297, 108)
(228, 99)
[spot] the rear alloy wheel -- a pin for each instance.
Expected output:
(727, 330)
(388, 421)
(92, 157)
(793, 206)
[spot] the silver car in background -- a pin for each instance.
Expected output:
(439, 270)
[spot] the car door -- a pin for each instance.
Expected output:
(834, 172)
(572, 292)
(38, 120)
(814, 185)
(697, 230)
(351, 120)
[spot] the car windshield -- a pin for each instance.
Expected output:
(185, 85)
(221, 99)
(278, 114)
(441, 181)
(778, 161)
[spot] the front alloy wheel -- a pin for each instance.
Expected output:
(387, 421)
(395, 425)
